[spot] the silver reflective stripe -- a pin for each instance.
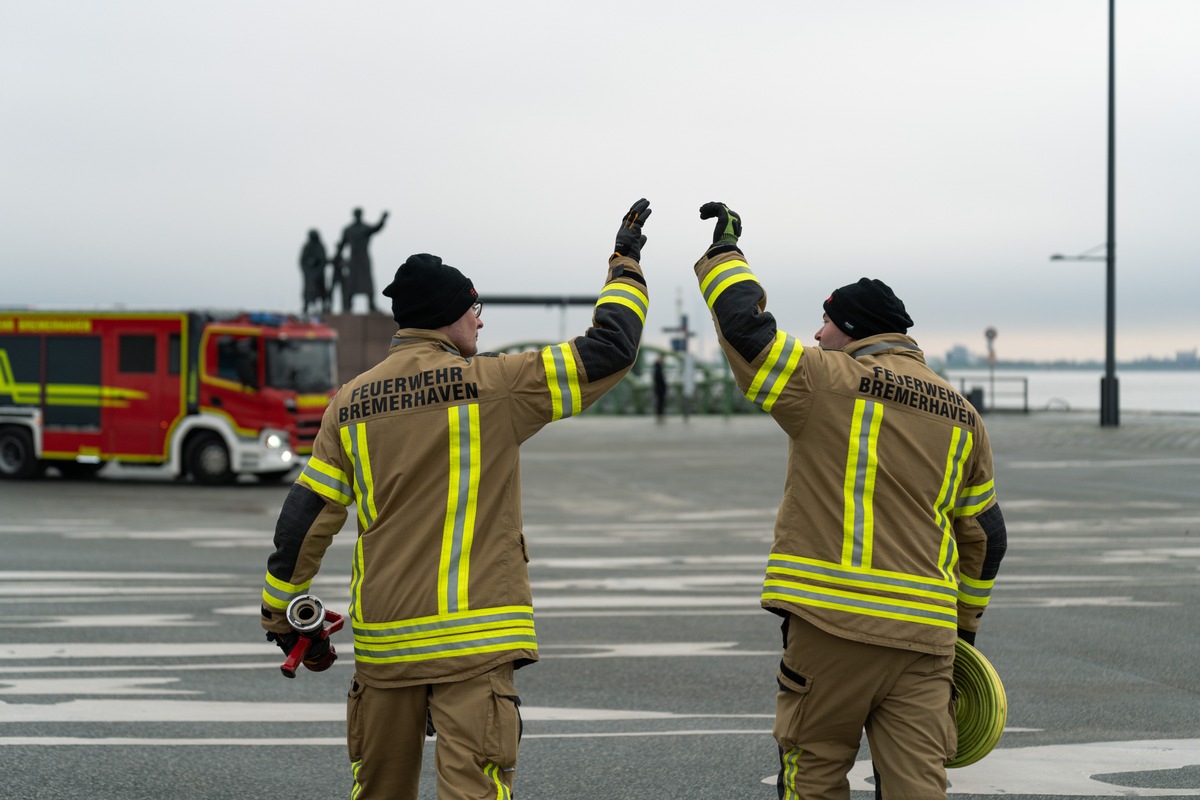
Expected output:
(563, 380)
(283, 596)
(462, 487)
(966, 501)
(972, 591)
(360, 480)
(721, 279)
(863, 602)
(626, 293)
(884, 582)
(864, 465)
(766, 389)
(448, 648)
(316, 476)
(455, 625)
(943, 511)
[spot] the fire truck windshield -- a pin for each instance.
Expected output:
(301, 365)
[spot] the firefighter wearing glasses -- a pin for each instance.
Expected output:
(425, 446)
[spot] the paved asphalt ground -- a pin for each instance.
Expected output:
(132, 665)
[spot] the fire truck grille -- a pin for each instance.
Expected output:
(306, 431)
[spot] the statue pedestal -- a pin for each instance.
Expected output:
(363, 341)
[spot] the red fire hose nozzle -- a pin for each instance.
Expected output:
(307, 615)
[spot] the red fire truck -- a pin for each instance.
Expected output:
(196, 393)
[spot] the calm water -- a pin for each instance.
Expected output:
(1079, 390)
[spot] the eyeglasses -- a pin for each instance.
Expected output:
(477, 308)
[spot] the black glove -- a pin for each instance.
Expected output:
(729, 224)
(319, 656)
(286, 641)
(967, 636)
(629, 237)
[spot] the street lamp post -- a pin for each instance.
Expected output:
(1109, 395)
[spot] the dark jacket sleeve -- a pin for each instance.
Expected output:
(313, 512)
(772, 368)
(562, 380)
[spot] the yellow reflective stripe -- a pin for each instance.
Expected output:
(277, 593)
(562, 378)
(354, 442)
(513, 638)
(858, 485)
(888, 580)
(775, 371)
(493, 771)
(961, 443)
(327, 481)
(458, 526)
(626, 295)
(479, 619)
(860, 603)
(974, 498)
(445, 636)
(356, 580)
(722, 277)
(356, 790)
(974, 592)
(791, 772)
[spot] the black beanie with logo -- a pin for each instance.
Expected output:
(429, 294)
(866, 308)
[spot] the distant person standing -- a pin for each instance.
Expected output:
(357, 277)
(660, 389)
(312, 268)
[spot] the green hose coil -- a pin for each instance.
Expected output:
(982, 707)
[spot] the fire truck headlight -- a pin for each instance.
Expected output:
(275, 441)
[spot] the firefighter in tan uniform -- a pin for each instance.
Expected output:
(425, 447)
(888, 537)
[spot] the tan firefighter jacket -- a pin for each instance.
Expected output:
(426, 447)
(876, 539)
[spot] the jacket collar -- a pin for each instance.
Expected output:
(892, 343)
(411, 336)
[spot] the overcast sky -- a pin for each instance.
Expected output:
(173, 154)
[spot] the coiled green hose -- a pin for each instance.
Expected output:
(982, 707)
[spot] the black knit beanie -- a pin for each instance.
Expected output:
(429, 294)
(866, 308)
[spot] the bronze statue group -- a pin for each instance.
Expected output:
(350, 274)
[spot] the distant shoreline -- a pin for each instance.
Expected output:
(1082, 366)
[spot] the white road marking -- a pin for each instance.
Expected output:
(654, 650)
(109, 621)
(104, 711)
(88, 686)
(1070, 770)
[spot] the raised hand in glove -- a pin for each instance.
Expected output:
(729, 225)
(629, 236)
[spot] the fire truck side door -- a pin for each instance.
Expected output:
(148, 392)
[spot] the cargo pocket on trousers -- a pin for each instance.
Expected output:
(952, 724)
(794, 687)
(354, 724)
(503, 733)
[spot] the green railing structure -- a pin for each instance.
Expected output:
(714, 391)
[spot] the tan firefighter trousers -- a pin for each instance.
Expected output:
(831, 688)
(478, 729)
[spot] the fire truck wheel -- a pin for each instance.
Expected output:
(17, 458)
(208, 460)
